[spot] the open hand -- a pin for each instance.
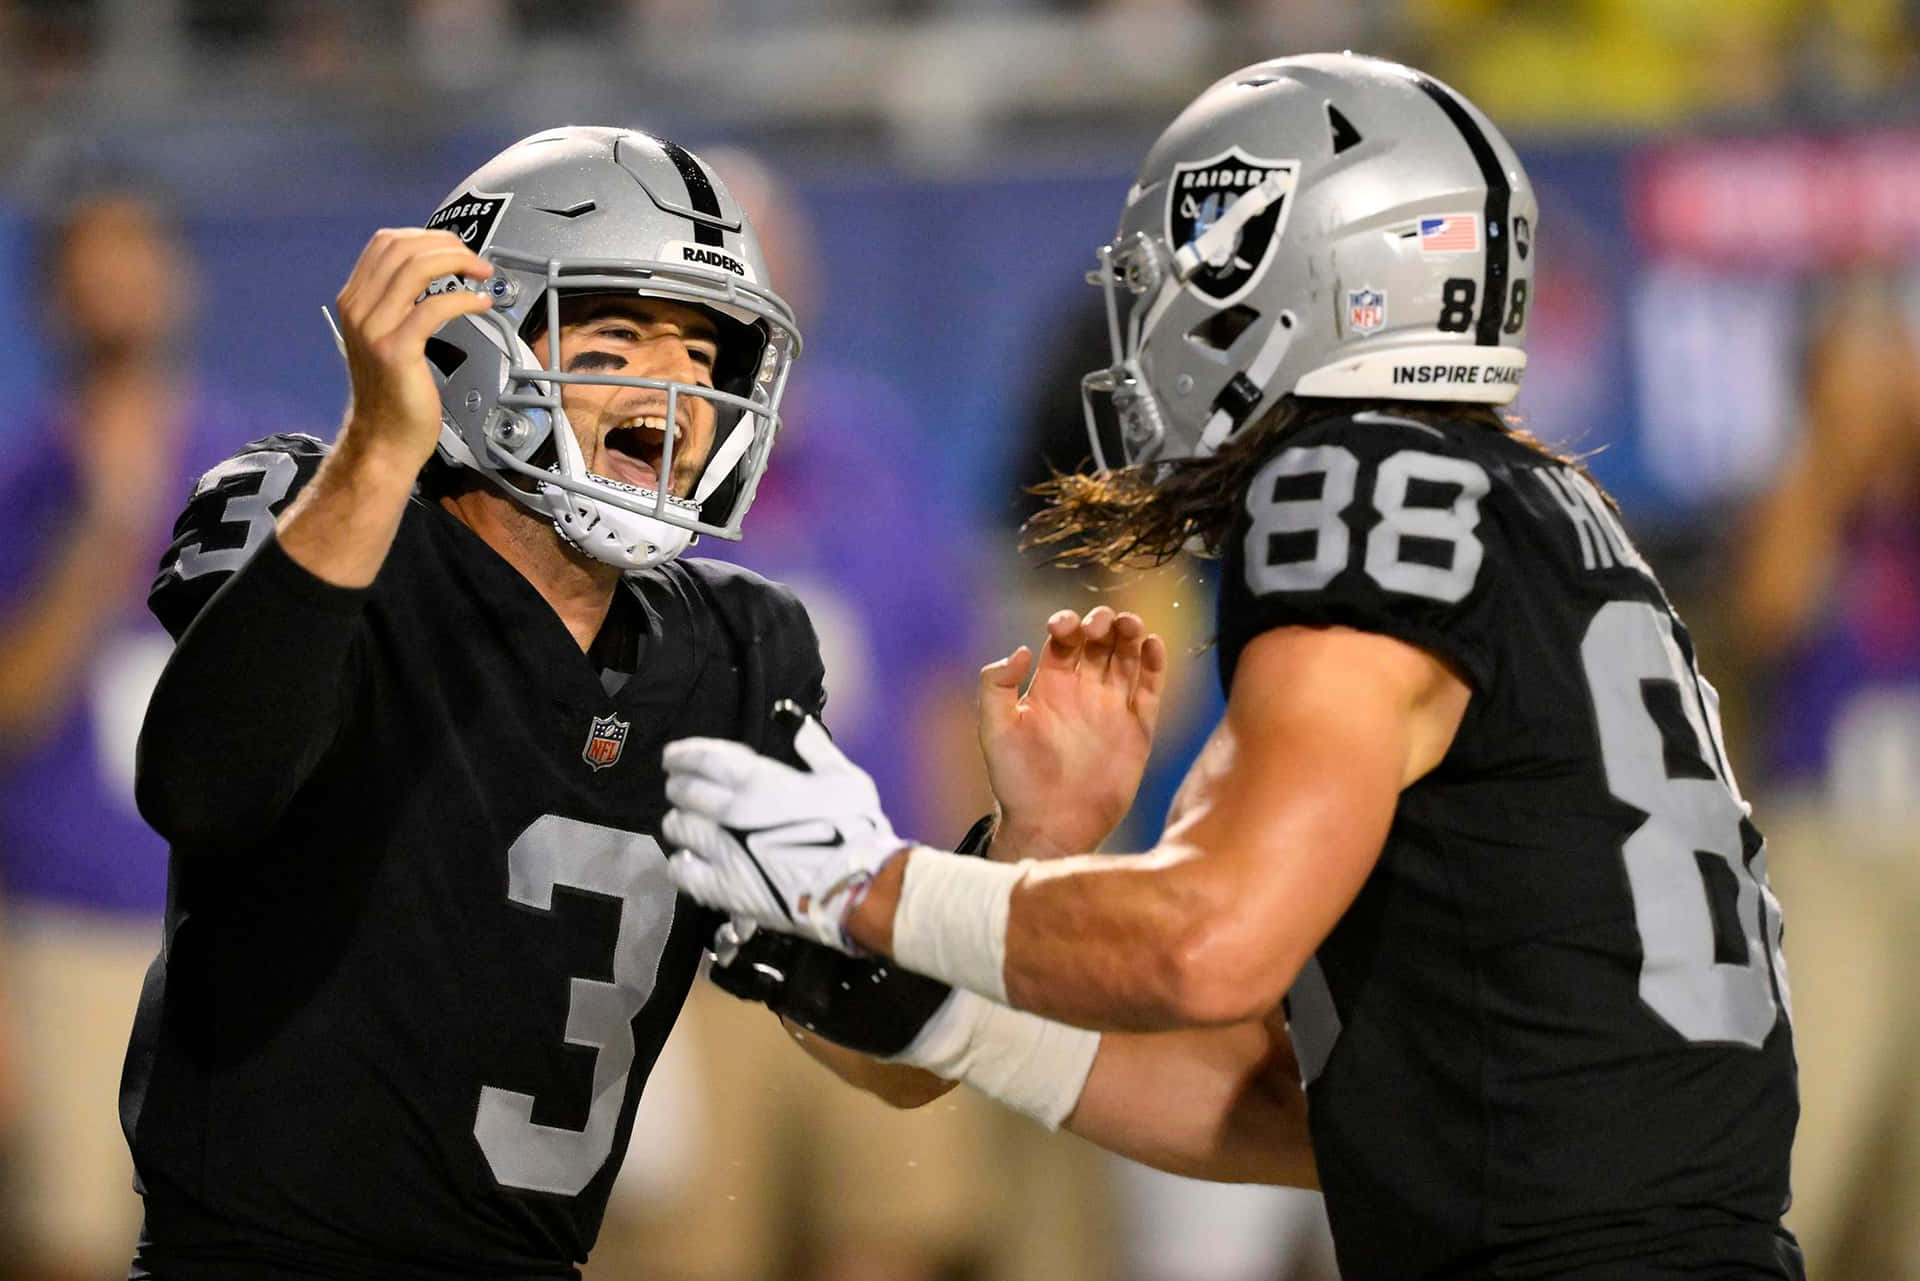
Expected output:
(1066, 757)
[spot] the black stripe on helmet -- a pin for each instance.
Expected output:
(1493, 306)
(701, 196)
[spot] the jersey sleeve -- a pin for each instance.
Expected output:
(228, 516)
(259, 679)
(1377, 523)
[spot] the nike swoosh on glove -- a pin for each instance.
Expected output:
(789, 849)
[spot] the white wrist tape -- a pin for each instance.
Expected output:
(1030, 1064)
(951, 921)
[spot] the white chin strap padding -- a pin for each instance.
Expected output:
(618, 537)
(601, 530)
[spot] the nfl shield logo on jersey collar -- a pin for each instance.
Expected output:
(604, 741)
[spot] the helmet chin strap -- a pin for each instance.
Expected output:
(1259, 372)
(603, 531)
(621, 538)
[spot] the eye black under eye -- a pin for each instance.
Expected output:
(589, 360)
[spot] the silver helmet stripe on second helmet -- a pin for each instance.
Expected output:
(590, 210)
(1323, 225)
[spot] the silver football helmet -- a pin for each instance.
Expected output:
(1322, 225)
(585, 210)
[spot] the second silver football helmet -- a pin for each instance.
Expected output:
(587, 210)
(1323, 225)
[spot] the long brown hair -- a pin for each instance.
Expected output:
(1144, 515)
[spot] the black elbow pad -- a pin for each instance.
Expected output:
(865, 1004)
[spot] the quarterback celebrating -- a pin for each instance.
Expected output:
(421, 949)
(1465, 847)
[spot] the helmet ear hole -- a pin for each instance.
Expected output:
(1222, 329)
(741, 348)
(445, 356)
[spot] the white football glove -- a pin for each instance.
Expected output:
(792, 850)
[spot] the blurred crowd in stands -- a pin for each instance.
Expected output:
(1794, 376)
(1584, 64)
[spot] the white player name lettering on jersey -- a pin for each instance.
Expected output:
(1603, 543)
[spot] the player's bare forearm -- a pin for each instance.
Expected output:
(1279, 824)
(342, 525)
(1115, 943)
(893, 1083)
(1092, 940)
(1214, 1103)
(1210, 927)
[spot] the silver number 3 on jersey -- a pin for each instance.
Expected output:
(623, 865)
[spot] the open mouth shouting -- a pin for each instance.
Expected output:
(632, 451)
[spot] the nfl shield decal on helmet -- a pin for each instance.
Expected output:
(471, 215)
(1201, 193)
(604, 741)
(1366, 310)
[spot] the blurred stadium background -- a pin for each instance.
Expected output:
(1730, 195)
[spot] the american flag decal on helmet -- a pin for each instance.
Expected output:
(604, 741)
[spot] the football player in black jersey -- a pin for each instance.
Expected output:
(1465, 852)
(421, 949)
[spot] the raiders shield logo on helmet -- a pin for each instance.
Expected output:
(1203, 191)
(472, 216)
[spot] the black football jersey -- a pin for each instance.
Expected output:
(1550, 1037)
(406, 1002)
